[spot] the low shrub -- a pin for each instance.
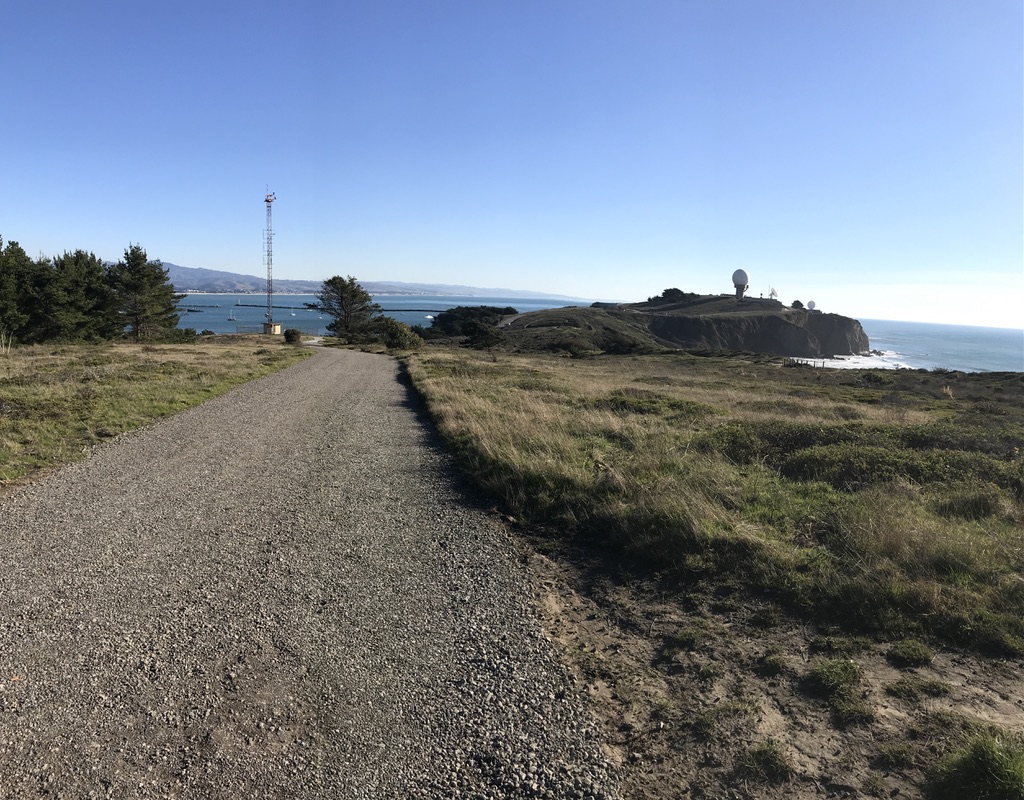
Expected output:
(970, 501)
(772, 442)
(849, 465)
(645, 401)
(396, 335)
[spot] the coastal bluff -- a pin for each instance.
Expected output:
(691, 322)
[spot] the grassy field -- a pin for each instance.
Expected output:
(57, 400)
(879, 512)
(889, 502)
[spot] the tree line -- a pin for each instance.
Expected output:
(78, 297)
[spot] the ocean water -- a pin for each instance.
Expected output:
(894, 345)
(246, 313)
(926, 345)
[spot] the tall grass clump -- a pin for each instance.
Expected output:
(987, 768)
(744, 473)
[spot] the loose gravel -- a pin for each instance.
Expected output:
(281, 593)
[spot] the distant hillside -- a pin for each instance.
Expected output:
(198, 279)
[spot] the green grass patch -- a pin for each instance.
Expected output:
(987, 768)
(836, 680)
(56, 401)
(833, 676)
(910, 653)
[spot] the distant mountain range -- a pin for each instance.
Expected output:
(197, 279)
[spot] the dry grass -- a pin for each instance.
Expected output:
(57, 400)
(828, 491)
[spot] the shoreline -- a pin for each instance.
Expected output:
(889, 360)
(875, 359)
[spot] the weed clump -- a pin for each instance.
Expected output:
(910, 653)
(987, 768)
(833, 676)
(911, 688)
(836, 680)
(766, 762)
(771, 663)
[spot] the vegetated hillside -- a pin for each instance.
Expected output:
(699, 323)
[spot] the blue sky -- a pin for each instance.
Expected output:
(864, 154)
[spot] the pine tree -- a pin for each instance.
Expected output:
(73, 300)
(145, 300)
(17, 272)
(351, 306)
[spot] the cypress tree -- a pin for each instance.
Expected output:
(143, 297)
(73, 300)
(17, 272)
(350, 305)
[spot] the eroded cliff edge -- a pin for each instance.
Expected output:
(799, 334)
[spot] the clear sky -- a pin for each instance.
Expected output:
(864, 154)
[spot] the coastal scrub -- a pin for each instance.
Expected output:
(801, 486)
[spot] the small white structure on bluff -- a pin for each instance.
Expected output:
(741, 282)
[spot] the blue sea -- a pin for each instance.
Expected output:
(894, 345)
(926, 345)
(246, 313)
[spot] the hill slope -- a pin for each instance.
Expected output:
(700, 322)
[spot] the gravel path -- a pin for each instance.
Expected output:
(278, 594)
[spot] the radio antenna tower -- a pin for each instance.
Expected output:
(268, 247)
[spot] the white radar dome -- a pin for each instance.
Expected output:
(739, 278)
(811, 305)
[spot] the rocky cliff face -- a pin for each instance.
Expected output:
(837, 335)
(798, 334)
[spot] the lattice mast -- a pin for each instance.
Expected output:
(268, 249)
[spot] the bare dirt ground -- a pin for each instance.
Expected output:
(688, 690)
